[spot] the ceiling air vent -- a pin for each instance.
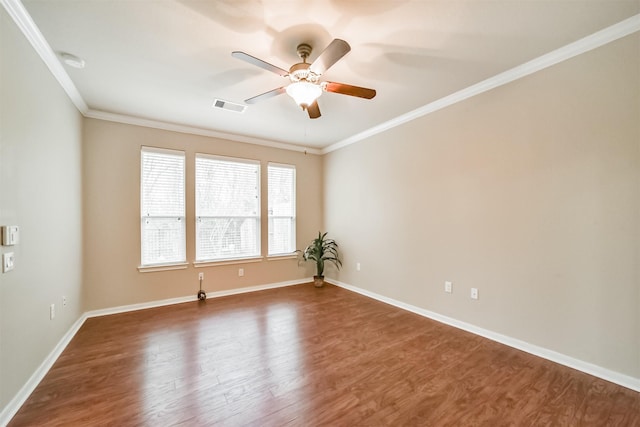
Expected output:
(229, 106)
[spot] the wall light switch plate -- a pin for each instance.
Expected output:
(10, 235)
(474, 293)
(448, 287)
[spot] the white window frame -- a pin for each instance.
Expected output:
(180, 243)
(200, 259)
(271, 217)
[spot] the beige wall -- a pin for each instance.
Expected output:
(40, 191)
(112, 216)
(529, 192)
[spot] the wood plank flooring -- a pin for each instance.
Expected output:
(303, 356)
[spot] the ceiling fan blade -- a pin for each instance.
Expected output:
(344, 89)
(332, 54)
(266, 95)
(314, 110)
(259, 63)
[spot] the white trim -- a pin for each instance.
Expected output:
(562, 359)
(139, 306)
(162, 267)
(593, 41)
(228, 159)
(18, 400)
(30, 30)
(278, 257)
(23, 394)
(211, 263)
(218, 294)
(161, 150)
(191, 298)
(281, 165)
(24, 21)
(174, 127)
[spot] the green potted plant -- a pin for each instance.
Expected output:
(321, 250)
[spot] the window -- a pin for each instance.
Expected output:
(282, 208)
(162, 211)
(227, 208)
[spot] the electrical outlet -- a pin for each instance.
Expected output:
(448, 287)
(64, 301)
(200, 276)
(241, 272)
(52, 311)
(474, 293)
(7, 262)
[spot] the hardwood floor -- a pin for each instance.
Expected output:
(305, 356)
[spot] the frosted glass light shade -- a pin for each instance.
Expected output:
(304, 93)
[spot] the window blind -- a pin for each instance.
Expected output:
(227, 208)
(282, 208)
(162, 206)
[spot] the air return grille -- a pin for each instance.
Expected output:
(229, 106)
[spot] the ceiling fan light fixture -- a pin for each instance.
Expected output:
(305, 87)
(304, 93)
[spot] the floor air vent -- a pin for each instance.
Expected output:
(229, 106)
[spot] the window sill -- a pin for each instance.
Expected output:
(199, 264)
(282, 256)
(162, 267)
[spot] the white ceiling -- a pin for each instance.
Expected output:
(167, 60)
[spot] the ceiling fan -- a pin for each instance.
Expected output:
(305, 86)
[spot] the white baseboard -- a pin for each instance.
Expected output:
(562, 359)
(180, 300)
(14, 405)
(18, 400)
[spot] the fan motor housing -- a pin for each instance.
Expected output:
(301, 71)
(303, 50)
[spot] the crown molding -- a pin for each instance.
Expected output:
(593, 41)
(174, 127)
(607, 35)
(23, 20)
(25, 23)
